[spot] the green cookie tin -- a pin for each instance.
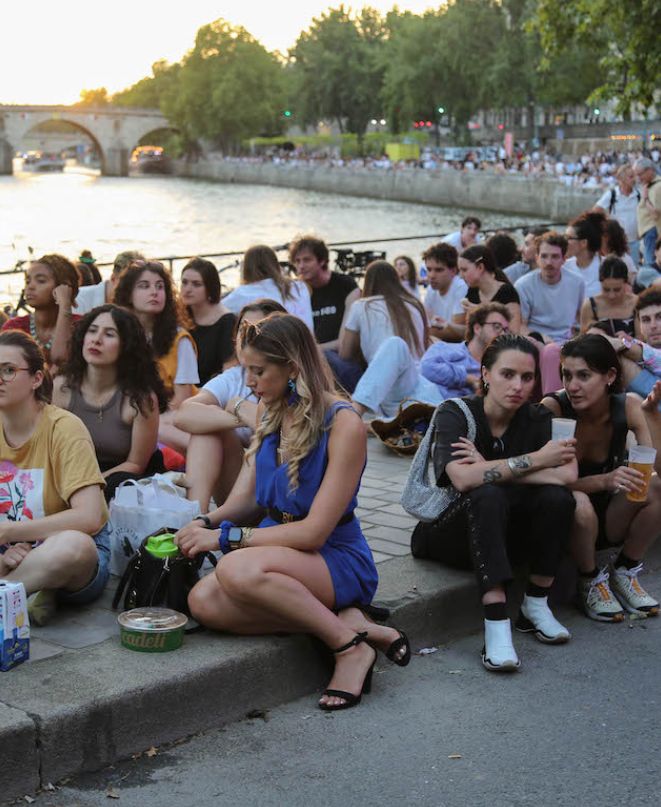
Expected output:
(151, 630)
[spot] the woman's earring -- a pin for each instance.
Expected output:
(293, 397)
(485, 386)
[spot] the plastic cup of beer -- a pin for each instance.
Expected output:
(562, 428)
(642, 459)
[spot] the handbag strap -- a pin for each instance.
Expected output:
(427, 444)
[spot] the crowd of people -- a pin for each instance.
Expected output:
(259, 400)
(592, 169)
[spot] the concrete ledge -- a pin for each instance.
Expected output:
(79, 712)
(19, 761)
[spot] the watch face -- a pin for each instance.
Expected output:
(235, 534)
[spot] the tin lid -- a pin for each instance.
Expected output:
(154, 620)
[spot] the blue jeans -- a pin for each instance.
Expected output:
(94, 589)
(391, 377)
(634, 251)
(347, 372)
(649, 242)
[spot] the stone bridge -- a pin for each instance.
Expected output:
(116, 131)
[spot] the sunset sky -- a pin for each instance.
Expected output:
(50, 51)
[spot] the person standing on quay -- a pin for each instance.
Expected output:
(649, 207)
(621, 204)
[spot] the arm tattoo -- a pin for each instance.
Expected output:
(519, 465)
(492, 474)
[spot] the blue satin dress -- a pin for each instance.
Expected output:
(347, 555)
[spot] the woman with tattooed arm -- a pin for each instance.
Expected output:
(511, 502)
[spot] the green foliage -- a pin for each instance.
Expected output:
(348, 145)
(338, 68)
(624, 35)
(96, 97)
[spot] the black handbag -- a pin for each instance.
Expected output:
(160, 582)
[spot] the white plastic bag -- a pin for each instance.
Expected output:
(140, 508)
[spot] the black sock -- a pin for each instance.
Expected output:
(495, 611)
(625, 560)
(590, 575)
(533, 590)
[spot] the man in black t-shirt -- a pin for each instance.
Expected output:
(332, 294)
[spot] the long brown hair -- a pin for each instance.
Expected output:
(261, 263)
(381, 280)
(286, 340)
(171, 317)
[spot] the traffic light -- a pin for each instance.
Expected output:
(441, 110)
(287, 113)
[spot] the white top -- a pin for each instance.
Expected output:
(370, 318)
(228, 385)
(187, 371)
(551, 310)
(625, 210)
(448, 304)
(90, 297)
(454, 239)
(298, 304)
(590, 274)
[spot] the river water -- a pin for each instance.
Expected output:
(170, 216)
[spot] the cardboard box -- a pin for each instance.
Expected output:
(14, 625)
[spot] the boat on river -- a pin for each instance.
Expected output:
(151, 160)
(42, 162)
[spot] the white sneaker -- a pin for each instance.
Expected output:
(535, 617)
(41, 607)
(498, 653)
(597, 600)
(631, 594)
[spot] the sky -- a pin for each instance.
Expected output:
(50, 51)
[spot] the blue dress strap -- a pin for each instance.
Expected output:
(334, 408)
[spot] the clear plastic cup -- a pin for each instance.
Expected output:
(562, 428)
(642, 459)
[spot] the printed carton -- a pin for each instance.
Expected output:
(14, 625)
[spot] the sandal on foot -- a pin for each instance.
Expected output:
(349, 698)
(396, 646)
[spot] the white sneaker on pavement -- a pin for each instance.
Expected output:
(631, 594)
(535, 617)
(498, 653)
(597, 600)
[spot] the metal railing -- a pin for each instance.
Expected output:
(169, 260)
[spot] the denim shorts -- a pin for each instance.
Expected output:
(643, 383)
(94, 589)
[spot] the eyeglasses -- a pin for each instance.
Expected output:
(498, 327)
(8, 372)
(573, 238)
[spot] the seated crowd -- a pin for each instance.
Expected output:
(259, 399)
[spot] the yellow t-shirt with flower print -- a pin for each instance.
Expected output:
(38, 478)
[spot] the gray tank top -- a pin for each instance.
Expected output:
(111, 436)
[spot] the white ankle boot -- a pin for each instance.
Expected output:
(535, 617)
(498, 653)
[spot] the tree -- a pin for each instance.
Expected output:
(338, 69)
(97, 97)
(626, 36)
(150, 92)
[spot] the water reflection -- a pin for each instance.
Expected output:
(166, 216)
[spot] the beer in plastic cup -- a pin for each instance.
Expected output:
(642, 459)
(562, 428)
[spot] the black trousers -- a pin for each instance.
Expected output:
(493, 527)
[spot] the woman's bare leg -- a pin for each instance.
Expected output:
(282, 588)
(635, 524)
(213, 462)
(585, 528)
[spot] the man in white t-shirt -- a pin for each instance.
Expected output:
(90, 297)
(551, 298)
(467, 236)
(444, 294)
(621, 203)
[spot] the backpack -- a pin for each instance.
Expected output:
(613, 201)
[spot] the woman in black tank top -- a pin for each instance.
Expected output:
(604, 514)
(612, 311)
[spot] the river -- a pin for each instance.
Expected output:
(167, 216)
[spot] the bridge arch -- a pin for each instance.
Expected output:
(115, 130)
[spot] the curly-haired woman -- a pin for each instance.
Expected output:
(51, 286)
(112, 384)
(308, 556)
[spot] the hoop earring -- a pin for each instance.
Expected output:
(485, 386)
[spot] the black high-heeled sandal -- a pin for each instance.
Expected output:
(396, 646)
(349, 698)
(380, 615)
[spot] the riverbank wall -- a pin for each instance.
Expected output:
(546, 199)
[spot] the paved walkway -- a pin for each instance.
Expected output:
(386, 525)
